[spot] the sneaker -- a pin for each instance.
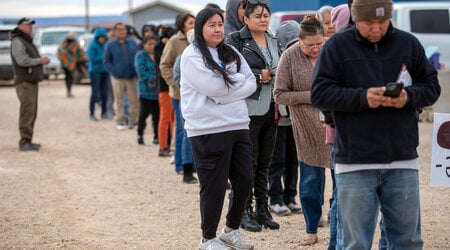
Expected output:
(295, 208)
(121, 127)
(279, 210)
(172, 160)
(212, 244)
(164, 152)
(140, 140)
(235, 239)
(28, 146)
(133, 126)
(189, 179)
(93, 118)
(155, 142)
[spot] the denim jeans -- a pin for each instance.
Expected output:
(311, 194)
(284, 164)
(361, 194)
(99, 85)
(183, 152)
(333, 209)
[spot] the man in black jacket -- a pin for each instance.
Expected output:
(376, 135)
(28, 71)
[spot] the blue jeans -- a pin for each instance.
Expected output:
(183, 152)
(333, 208)
(99, 85)
(361, 194)
(311, 194)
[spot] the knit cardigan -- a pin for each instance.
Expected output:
(292, 88)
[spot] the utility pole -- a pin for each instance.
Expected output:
(87, 24)
(130, 7)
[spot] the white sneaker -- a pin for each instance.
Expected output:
(121, 127)
(235, 239)
(212, 244)
(295, 208)
(279, 210)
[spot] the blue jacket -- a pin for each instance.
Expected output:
(118, 63)
(146, 72)
(347, 66)
(96, 52)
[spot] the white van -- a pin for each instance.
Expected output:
(47, 41)
(429, 22)
(6, 69)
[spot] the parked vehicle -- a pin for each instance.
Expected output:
(429, 22)
(276, 18)
(85, 41)
(47, 41)
(6, 69)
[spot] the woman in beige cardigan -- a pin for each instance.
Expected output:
(292, 88)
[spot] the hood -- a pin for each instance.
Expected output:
(16, 32)
(287, 33)
(99, 32)
(232, 22)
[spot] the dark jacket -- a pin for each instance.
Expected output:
(161, 85)
(347, 66)
(259, 102)
(26, 64)
(118, 63)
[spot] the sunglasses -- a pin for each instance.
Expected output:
(255, 2)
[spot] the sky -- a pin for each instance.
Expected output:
(57, 8)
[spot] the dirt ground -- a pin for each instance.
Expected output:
(93, 187)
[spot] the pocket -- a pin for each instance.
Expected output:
(208, 152)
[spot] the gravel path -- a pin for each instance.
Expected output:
(92, 186)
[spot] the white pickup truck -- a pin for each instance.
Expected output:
(429, 22)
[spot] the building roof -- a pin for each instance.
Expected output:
(156, 3)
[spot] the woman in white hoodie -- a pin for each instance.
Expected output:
(215, 80)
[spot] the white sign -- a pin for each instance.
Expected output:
(440, 155)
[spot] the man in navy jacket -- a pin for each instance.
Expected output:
(119, 62)
(376, 136)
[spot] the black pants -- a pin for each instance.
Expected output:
(69, 79)
(146, 108)
(219, 157)
(284, 165)
(263, 132)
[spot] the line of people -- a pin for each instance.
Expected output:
(247, 109)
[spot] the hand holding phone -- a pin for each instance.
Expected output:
(393, 89)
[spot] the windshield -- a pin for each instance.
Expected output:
(55, 37)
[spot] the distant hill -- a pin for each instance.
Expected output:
(94, 21)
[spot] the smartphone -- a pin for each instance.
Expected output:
(393, 89)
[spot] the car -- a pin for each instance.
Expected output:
(85, 41)
(6, 69)
(429, 22)
(47, 41)
(276, 18)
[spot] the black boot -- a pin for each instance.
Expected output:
(264, 218)
(249, 222)
(188, 177)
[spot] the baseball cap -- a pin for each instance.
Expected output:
(25, 20)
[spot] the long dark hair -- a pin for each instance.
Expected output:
(226, 53)
(179, 24)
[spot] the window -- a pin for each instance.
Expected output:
(430, 21)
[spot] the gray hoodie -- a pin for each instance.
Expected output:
(232, 22)
(287, 33)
